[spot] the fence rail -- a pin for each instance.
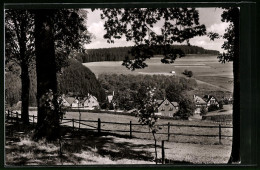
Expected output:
(10, 115)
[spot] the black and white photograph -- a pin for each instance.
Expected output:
(122, 86)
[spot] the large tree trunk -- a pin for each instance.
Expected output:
(24, 75)
(235, 152)
(48, 118)
(25, 93)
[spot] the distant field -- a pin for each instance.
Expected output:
(205, 68)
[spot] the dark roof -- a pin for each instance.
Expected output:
(175, 104)
(208, 97)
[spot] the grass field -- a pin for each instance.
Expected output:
(206, 69)
(89, 148)
(104, 117)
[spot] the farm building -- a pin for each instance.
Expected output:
(210, 100)
(167, 108)
(90, 102)
(199, 102)
(67, 101)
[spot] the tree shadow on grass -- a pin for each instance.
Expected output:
(77, 147)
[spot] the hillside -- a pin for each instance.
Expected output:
(119, 53)
(74, 80)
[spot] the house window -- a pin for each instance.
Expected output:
(163, 109)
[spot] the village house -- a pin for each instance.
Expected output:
(199, 102)
(90, 102)
(167, 108)
(211, 100)
(67, 101)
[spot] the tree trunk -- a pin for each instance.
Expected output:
(155, 148)
(48, 117)
(24, 75)
(235, 152)
(25, 93)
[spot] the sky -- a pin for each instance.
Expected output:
(210, 17)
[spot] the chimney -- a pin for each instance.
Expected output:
(194, 96)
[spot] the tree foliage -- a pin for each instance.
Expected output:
(186, 108)
(136, 24)
(129, 88)
(231, 53)
(120, 53)
(78, 80)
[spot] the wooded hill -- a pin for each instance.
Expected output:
(119, 53)
(74, 80)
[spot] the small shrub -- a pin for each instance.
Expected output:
(213, 107)
(190, 74)
(203, 111)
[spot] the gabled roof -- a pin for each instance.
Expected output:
(199, 100)
(90, 96)
(208, 97)
(175, 104)
(70, 100)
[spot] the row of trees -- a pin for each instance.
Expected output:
(120, 53)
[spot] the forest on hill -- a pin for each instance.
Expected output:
(119, 53)
(129, 89)
(73, 80)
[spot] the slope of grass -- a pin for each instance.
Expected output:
(87, 148)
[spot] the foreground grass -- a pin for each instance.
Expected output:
(86, 148)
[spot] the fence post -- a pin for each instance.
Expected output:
(219, 134)
(73, 125)
(99, 125)
(16, 116)
(130, 129)
(12, 117)
(8, 114)
(79, 124)
(169, 131)
(163, 153)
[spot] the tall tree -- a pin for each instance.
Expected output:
(231, 47)
(19, 50)
(60, 32)
(48, 118)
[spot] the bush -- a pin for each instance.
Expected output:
(187, 108)
(203, 111)
(213, 107)
(190, 74)
(221, 105)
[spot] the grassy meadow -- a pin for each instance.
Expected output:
(209, 72)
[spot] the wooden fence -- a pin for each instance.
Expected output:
(14, 116)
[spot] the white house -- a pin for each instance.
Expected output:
(199, 102)
(90, 102)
